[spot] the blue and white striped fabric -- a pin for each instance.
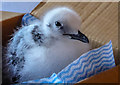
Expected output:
(28, 19)
(89, 64)
(52, 79)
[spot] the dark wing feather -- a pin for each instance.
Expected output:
(14, 62)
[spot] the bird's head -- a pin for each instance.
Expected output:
(63, 22)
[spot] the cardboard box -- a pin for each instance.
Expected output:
(108, 76)
(7, 15)
(99, 23)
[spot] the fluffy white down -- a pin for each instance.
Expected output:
(55, 53)
(44, 61)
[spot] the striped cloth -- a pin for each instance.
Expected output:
(89, 64)
(28, 19)
(52, 79)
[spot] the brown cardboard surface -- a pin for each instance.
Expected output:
(8, 27)
(109, 76)
(7, 15)
(99, 20)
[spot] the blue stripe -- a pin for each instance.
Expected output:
(27, 18)
(51, 79)
(37, 80)
(74, 64)
(73, 70)
(53, 75)
(81, 78)
(93, 73)
(54, 80)
(88, 69)
(33, 18)
(99, 66)
(45, 81)
(97, 50)
(24, 17)
(107, 45)
(90, 56)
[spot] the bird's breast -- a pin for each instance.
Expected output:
(42, 61)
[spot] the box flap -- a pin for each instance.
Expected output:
(5, 15)
(109, 76)
(99, 20)
(7, 27)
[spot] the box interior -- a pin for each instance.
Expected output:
(8, 27)
(99, 22)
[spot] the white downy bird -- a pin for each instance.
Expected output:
(42, 48)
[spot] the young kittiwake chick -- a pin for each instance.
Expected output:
(42, 48)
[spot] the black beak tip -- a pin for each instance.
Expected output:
(87, 40)
(84, 39)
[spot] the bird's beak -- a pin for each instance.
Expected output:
(80, 36)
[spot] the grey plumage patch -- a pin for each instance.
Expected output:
(37, 36)
(15, 78)
(15, 57)
(17, 62)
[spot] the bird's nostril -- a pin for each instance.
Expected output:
(84, 37)
(61, 27)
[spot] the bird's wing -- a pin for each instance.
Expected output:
(24, 39)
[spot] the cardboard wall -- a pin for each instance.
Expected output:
(106, 77)
(8, 27)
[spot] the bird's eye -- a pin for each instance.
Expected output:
(57, 23)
